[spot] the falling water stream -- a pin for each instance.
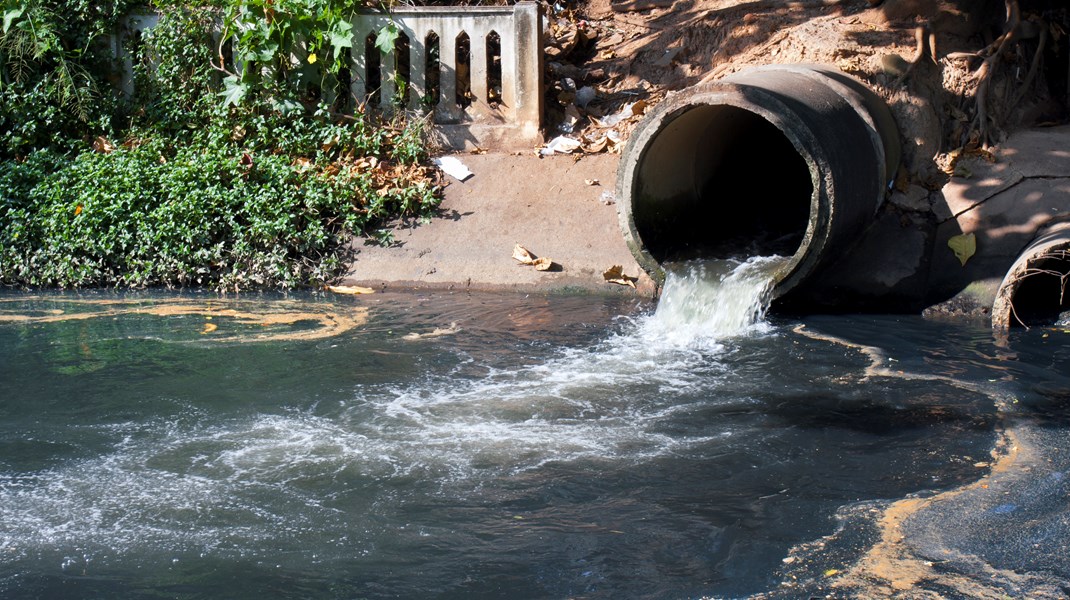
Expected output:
(457, 445)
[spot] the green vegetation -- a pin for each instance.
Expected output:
(203, 176)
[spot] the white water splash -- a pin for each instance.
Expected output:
(712, 300)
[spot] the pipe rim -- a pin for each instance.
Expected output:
(1052, 242)
(766, 106)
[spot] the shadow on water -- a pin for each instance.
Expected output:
(874, 416)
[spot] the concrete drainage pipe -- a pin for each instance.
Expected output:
(790, 160)
(1036, 290)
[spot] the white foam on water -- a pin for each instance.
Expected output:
(707, 301)
(236, 485)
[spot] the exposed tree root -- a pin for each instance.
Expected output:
(994, 52)
(984, 126)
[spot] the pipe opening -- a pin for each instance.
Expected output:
(1041, 297)
(720, 181)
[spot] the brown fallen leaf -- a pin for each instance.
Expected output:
(525, 257)
(615, 274)
(596, 146)
(543, 264)
(592, 182)
(209, 328)
(103, 145)
(350, 289)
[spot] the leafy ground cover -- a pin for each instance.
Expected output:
(203, 175)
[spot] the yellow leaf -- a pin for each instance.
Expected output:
(831, 572)
(964, 246)
(312, 58)
(209, 328)
(78, 210)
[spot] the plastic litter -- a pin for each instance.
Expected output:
(560, 145)
(453, 167)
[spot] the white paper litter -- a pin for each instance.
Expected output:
(560, 145)
(453, 167)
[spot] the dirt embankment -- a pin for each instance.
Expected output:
(958, 74)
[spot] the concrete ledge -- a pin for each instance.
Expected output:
(544, 204)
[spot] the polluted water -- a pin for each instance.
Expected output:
(457, 445)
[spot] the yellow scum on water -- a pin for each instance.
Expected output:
(277, 320)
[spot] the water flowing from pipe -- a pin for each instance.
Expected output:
(705, 301)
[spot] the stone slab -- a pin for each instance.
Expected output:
(1038, 152)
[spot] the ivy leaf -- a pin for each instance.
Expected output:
(234, 91)
(286, 106)
(267, 51)
(11, 15)
(386, 38)
(341, 36)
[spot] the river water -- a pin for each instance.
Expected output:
(462, 445)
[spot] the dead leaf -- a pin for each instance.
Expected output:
(964, 246)
(615, 274)
(209, 328)
(523, 255)
(596, 146)
(592, 182)
(102, 145)
(350, 289)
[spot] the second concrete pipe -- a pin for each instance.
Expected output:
(790, 160)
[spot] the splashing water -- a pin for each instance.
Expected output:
(705, 301)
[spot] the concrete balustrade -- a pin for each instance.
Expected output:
(518, 30)
(500, 89)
